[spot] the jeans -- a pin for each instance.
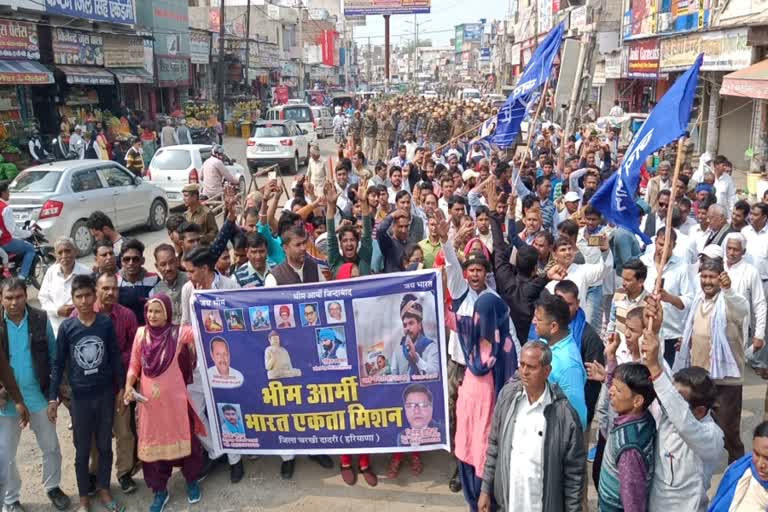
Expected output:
(593, 309)
(5, 456)
(17, 246)
(89, 421)
(125, 444)
(47, 441)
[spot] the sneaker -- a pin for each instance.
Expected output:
(13, 507)
(160, 501)
(127, 485)
(193, 492)
(60, 500)
(591, 454)
(91, 485)
(236, 472)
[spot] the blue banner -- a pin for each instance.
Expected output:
(615, 198)
(340, 367)
(113, 11)
(535, 74)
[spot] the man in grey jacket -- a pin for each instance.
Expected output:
(534, 425)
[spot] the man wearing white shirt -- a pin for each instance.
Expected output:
(401, 159)
(756, 234)
(585, 275)
(684, 205)
(397, 183)
(56, 289)
(676, 292)
(316, 170)
(745, 279)
(725, 191)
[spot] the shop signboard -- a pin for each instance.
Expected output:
(75, 48)
(640, 19)
(199, 47)
(689, 15)
(599, 79)
(123, 52)
(172, 71)
(459, 39)
(269, 54)
(613, 66)
(727, 50)
(472, 32)
(643, 59)
(385, 7)
(112, 11)
(18, 40)
(544, 12)
(170, 19)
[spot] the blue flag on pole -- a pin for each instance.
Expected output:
(615, 198)
(535, 74)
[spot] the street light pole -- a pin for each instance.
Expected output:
(220, 67)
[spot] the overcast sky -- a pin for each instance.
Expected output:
(437, 25)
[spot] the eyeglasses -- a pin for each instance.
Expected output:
(418, 405)
(134, 259)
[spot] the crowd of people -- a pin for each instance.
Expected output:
(569, 340)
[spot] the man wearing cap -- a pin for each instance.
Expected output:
(198, 213)
(416, 354)
(215, 174)
(571, 205)
(331, 350)
(676, 293)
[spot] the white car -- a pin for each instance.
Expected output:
(301, 114)
(277, 142)
(173, 167)
(429, 94)
(323, 121)
(60, 196)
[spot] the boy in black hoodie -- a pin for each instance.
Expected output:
(87, 347)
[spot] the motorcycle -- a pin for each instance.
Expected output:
(44, 256)
(202, 135)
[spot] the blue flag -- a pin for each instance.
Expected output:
(615, 198)
(535, 74)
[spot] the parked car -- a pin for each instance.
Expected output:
(323, 120)
(60, 196)
(429, 94)
(173, 167)
(277, 142)
(301, 114)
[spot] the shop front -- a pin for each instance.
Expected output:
(731, 121)
(124, 57)
(86, 87)
(22, 77)
(172, 83)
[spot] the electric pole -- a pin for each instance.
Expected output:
(370, 61)
(247, 47)
(220, 67)
(386, 52)
(301, 45)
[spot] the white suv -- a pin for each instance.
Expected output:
(300, 113)
(277, 142)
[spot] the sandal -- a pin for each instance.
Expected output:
(394, 467)
(113, 506)
(416, 465)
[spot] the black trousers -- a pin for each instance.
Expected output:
(92, 419)
(670, 350)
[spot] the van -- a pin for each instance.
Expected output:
(470, 94)
(323, 121)
(301, 114)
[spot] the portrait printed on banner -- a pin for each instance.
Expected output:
(332, 346)
(422, 428)
(231, 420)
(221, 374)
(397, 338)
(284, 316)
(235, 319)
(212, 322)
(259, 316)
(309, 314)
(335, 312)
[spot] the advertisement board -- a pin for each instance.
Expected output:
(643, 59)
(199, 47)
(18, 40)
(727, 50)
(369, 7)
(123, 52)
(640, 19)
(113, 11)
(74, 48)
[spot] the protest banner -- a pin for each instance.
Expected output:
(339, 367)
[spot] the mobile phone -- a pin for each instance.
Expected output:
(139, 397)
(594, 240)
(272, 175)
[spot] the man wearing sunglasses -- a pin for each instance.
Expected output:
(133, 280)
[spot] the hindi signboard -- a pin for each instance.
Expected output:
(18, 40)
(336, 367)
(386, 7)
